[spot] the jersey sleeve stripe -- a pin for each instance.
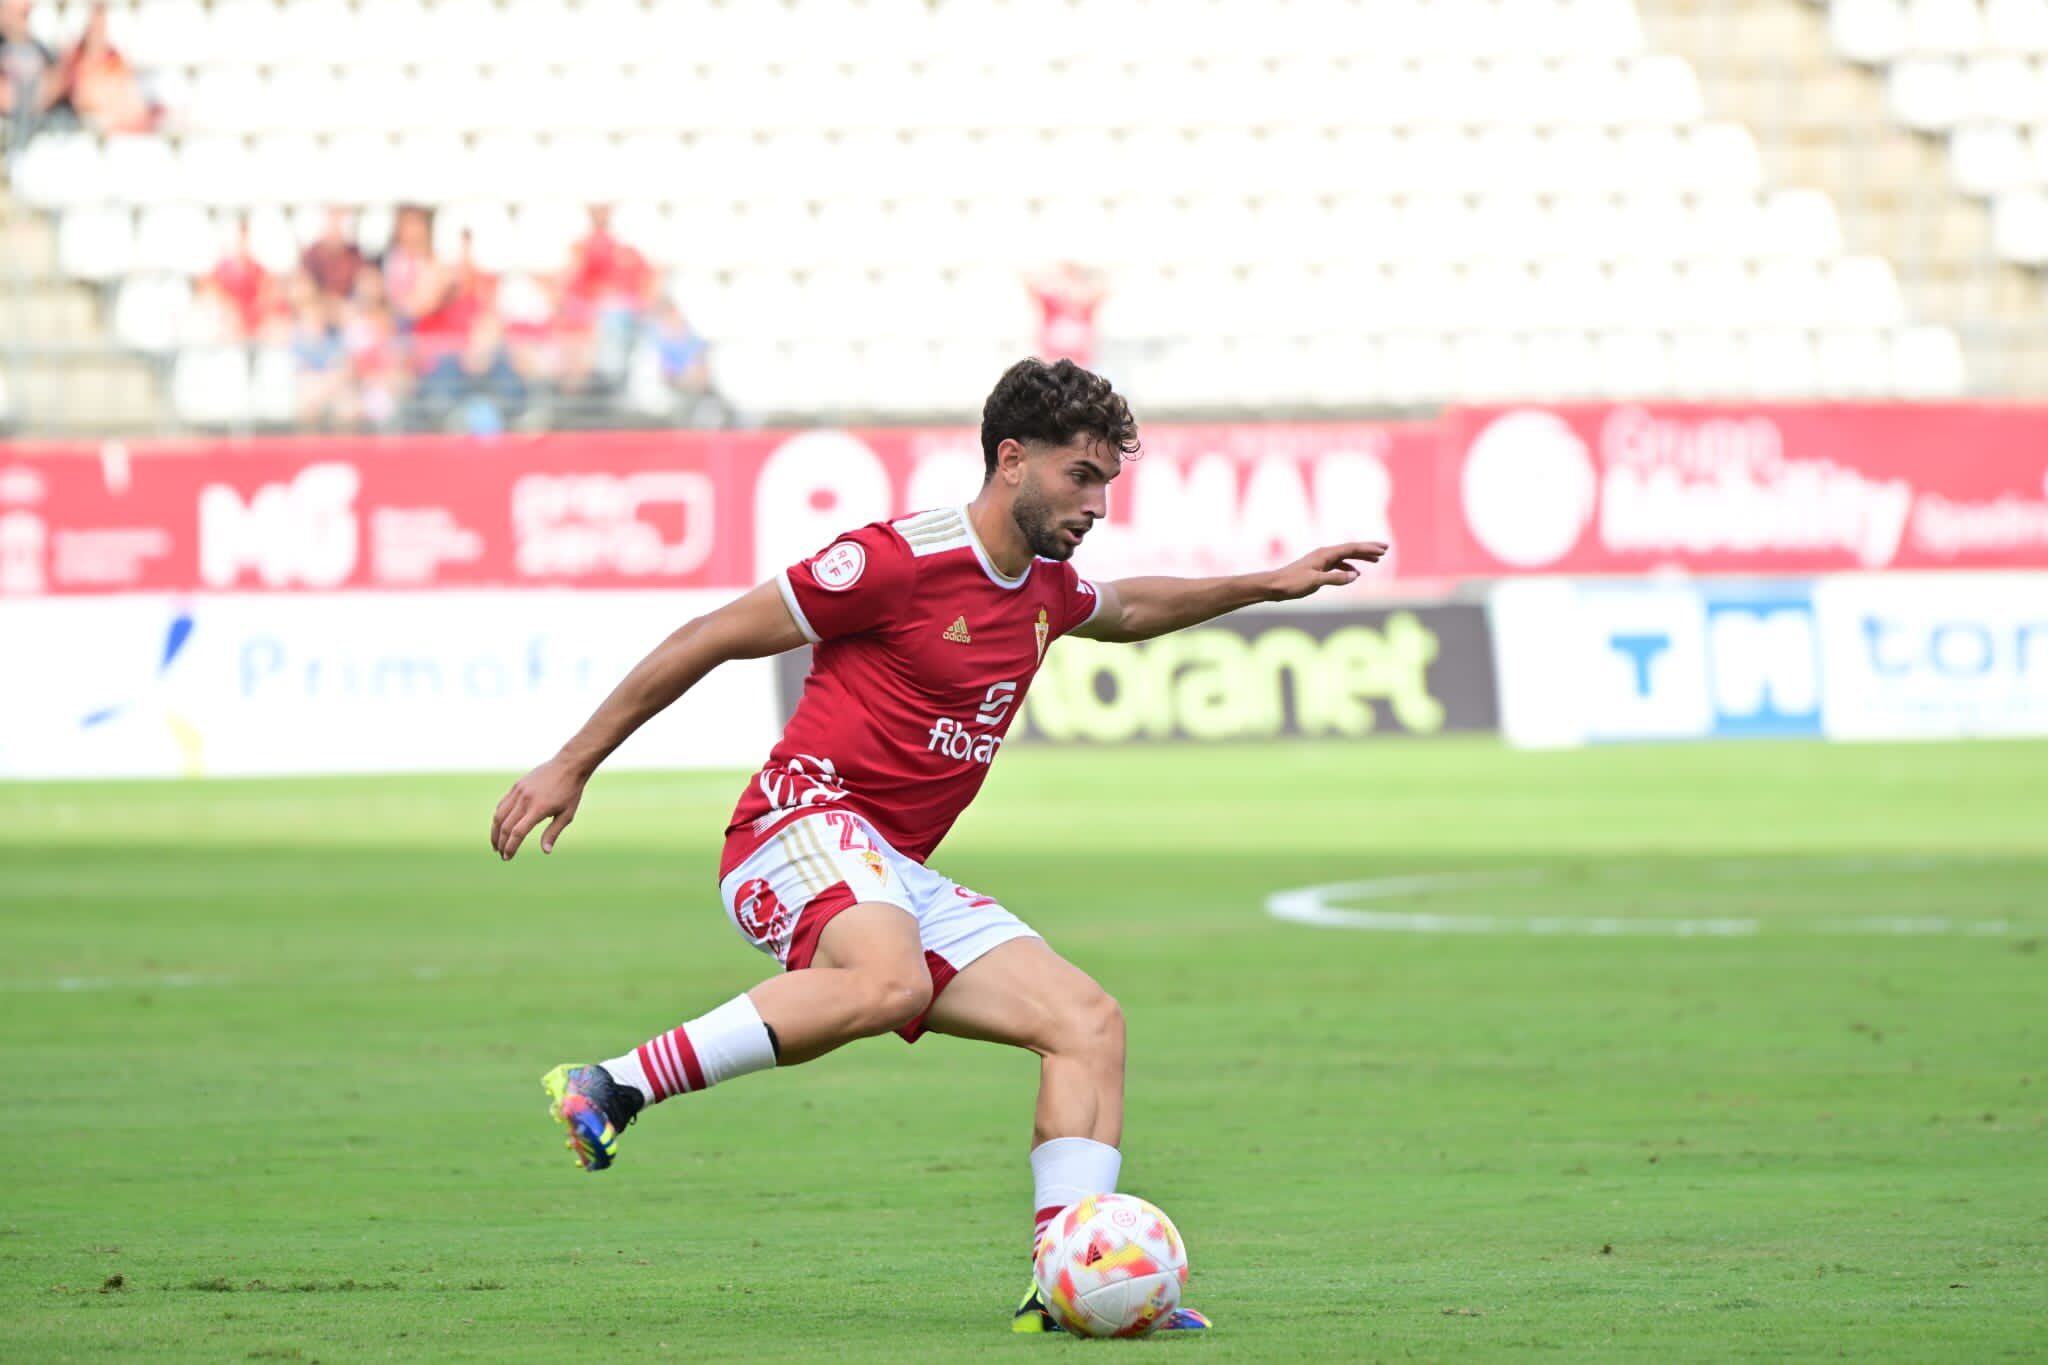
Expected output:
(1095, 596)
(803, 622)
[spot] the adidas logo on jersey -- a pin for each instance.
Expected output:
(957, 632)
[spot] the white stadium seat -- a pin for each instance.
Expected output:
(2019, 224)
(1927, 362)
(96, 242)
(59, 170)
(1781, 365)
(1926, 93)
(166, 33)
(273, 385)
(1862, 291)
(1869, 31)
(2016, 26)
(1633, 365)
(1945, 28)
(210, 386)
(1799, 222)
(140, 170)
(1853, 364)
(175, 239)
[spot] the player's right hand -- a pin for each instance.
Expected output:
(554, 789)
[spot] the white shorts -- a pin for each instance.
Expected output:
(787, 891)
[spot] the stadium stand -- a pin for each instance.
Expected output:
(1307, 205)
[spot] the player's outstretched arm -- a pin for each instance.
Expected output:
(752, 626)
(1140, 608)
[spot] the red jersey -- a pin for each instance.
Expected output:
(924, 652)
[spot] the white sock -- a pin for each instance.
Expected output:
(729, 1041)
(1067, 1170)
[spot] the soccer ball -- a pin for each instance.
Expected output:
(1110, 1266)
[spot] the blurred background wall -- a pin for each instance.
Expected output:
(380, 379)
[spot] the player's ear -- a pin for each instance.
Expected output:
(1010, 457)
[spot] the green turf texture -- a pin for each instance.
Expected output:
(276, 1050)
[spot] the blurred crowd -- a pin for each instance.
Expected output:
(399, 327)
(90, 85)
(415, 338)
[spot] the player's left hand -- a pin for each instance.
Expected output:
(1330, 567)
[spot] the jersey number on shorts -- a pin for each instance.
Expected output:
(852, 838)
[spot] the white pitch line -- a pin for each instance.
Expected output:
(1319, 907)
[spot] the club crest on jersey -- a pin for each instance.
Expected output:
(958, 632)
(1041, 630)
(840, 567)
(875, 865)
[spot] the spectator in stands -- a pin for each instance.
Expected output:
(100, 84)
(603, 295)
(679, 350)
(413, 277)
(332, 258)
(326, 393)
(31, 80)
(526, 305)
(244, 286)
(681, 359)
(370, 338)
(482, 389)
(466, 368)
(1067, 297)
(447, 306)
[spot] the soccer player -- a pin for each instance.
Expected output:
(928, 630)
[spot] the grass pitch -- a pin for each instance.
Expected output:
(276, 1049)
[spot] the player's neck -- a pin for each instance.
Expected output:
(997, 531)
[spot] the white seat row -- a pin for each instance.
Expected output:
(259, 32)
(1399, 370)
(845, 305)
(1979, 73)
(1990, 158)
(101, 243)
(1933, 93)
(1493, 367)
(1879, 31)
(231, 385)
(1085, 93)
(60, 170)
(1857, 291)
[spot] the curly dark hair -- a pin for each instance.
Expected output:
(1034, 401)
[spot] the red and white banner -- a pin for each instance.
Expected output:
(652, 509)
(1481, 494)
(1726, 489)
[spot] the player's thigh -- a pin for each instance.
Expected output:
(1025, 994)
(873, 937)
(792, 889)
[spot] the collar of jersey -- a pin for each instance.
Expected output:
(988, 566)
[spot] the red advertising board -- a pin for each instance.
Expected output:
(1732, 489)
(655, 509)
(1579, 490)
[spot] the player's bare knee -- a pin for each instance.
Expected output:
(1109, 1028)
(895, 997)
(1092, 1028)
